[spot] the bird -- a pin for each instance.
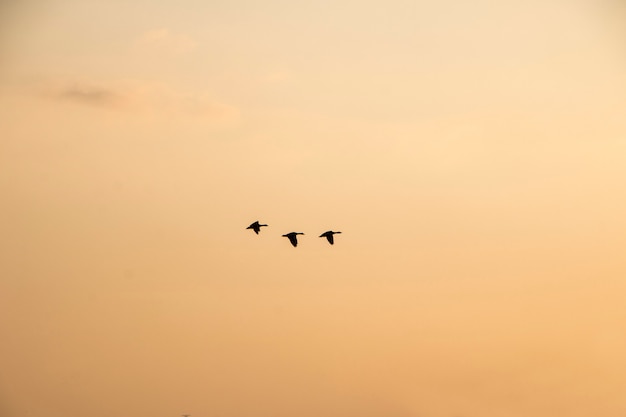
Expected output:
(292, 238)
(256, 227)
(329, 235)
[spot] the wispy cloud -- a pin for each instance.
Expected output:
(148, 98)
(165, 41)
(91, 95)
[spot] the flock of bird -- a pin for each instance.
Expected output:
(293, 236)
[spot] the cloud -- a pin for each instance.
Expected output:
(143, 98)
(83, 92)
(91, 95)
(164, 41)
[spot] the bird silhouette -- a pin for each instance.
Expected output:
(329, 235)
(293, 238)
(256, 227)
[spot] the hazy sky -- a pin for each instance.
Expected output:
(473, 153)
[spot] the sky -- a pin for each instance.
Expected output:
(471, 152)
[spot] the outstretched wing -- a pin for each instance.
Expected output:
(255, 226)
(293, 239)
(328, 235)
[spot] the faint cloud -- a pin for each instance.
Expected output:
(165, 41)
(140, 97)
(83, 92)
(90, 95)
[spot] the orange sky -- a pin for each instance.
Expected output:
(471, 153)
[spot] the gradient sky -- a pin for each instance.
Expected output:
(473, 153)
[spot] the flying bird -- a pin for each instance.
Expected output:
(329, 235)
(293, 238)
(256, 227)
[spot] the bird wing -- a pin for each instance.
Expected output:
(293, 239)
(330, 238)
